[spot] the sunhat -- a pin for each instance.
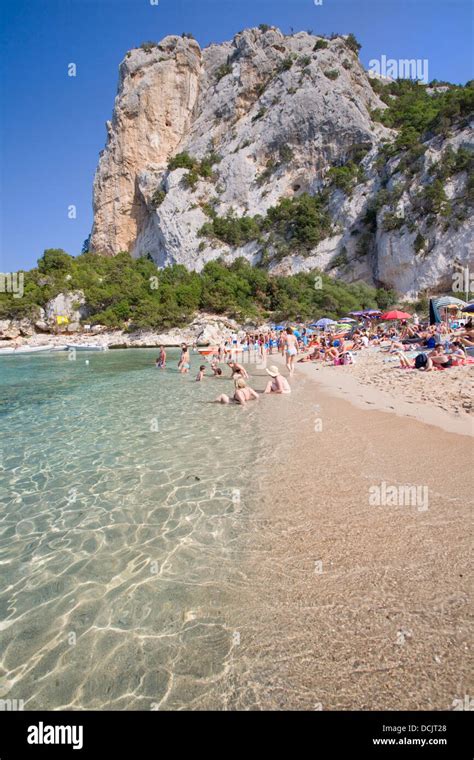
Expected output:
(273, 371)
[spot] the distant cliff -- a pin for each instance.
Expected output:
(282, 149)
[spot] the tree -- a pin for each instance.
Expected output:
(353, 43)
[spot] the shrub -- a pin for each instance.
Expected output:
(321, 45)
(392, 221)
(340, 260)
(195, 168)
(191, 179)
(304, 61)
(260, 114)
(419, 242)
(235, 231)
(223, 71)
(187, 36)
(158, 197)
(303, 221)
(264, 28)
(181, 161)
(148, 46)
(410, 107)
(286, 64)
(432, 199)
(345, 177)
(452, 162)
(353, 44)
(270, 169)
(331, 74)
(286, 154)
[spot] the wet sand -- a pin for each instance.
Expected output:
(353, 606)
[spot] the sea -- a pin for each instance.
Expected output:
(129, 503)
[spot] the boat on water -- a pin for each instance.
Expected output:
(86, 347)
(22, 350)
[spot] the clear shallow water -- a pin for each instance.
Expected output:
(121, 532)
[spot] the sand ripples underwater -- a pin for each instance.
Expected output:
(121, 534)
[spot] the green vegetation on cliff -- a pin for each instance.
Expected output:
(121, 291)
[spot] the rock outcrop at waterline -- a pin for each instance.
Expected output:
(267, 115)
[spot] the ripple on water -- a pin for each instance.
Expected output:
(120, 533)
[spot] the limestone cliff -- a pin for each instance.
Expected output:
(268, 115)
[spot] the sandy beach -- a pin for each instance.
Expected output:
(442, 398)
(369, 605)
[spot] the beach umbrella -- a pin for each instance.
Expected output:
(435, 317)
(297, 333)
(325, 322)
(469, 308)
(449, 301)
(280, 327)
(346, 319)
(366, 313)
(395, 315)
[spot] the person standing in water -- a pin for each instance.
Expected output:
(291, 349)
(184, 362)
(161, 361)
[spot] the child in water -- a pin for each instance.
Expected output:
(201, 373)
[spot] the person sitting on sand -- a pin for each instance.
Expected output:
(467, 336)
(238, 369)
(242, 394)
(332, 354)
(201, 373)
(458, 350)
(440, 358)
(278, 384)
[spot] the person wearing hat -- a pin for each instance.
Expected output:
(278, 383)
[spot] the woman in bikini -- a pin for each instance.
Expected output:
(183, 364)
(291, 350)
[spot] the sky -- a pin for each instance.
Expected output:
(52, 126)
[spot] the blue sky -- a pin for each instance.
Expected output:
(52, 126)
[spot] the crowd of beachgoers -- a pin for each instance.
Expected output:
(416, 346)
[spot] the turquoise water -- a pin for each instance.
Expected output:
(122, 498)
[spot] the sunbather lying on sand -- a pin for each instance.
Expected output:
(426, 362)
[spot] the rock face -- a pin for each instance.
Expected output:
(153, 111)
(70, 305)
(279, 111)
